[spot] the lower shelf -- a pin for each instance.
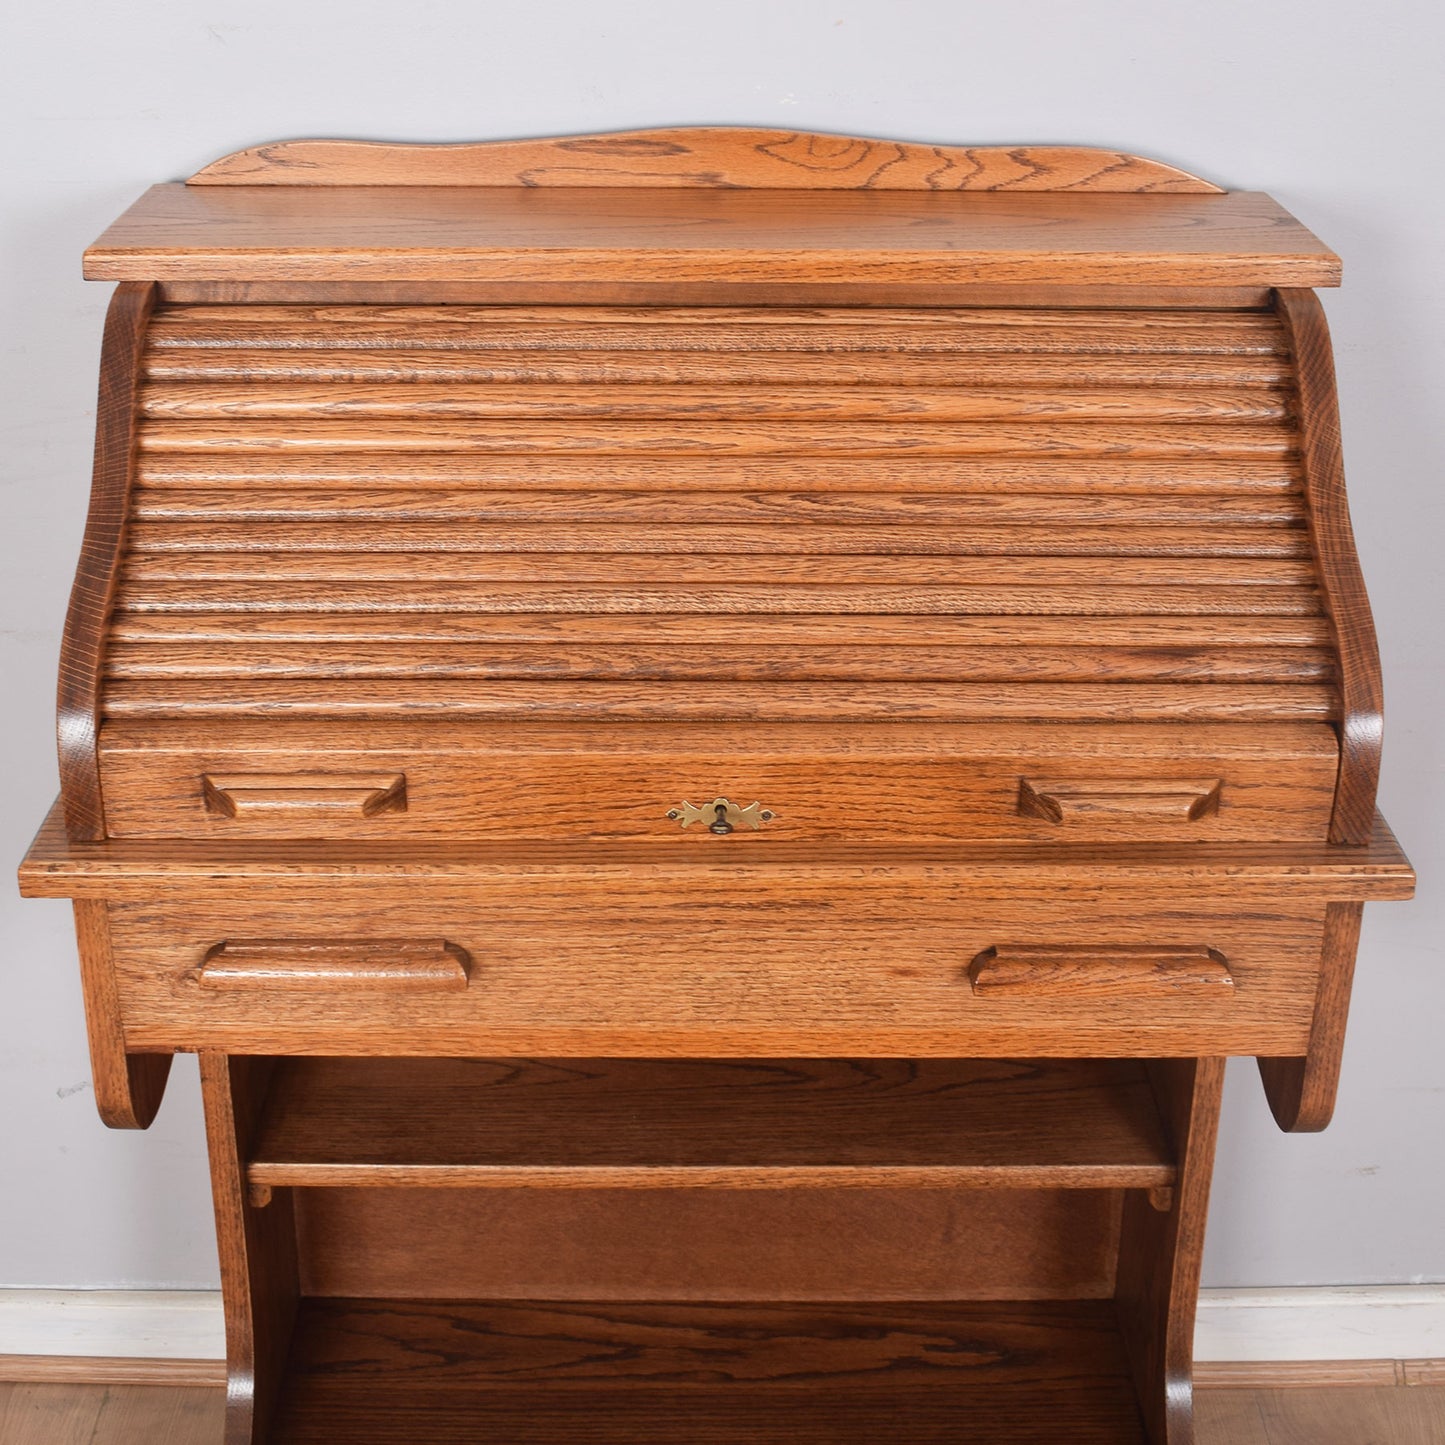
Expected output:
(394, 1372)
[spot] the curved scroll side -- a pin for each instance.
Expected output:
(81, 652)
(1341, 582)
(128, 1087)
(1301, 1090)
(723, 157)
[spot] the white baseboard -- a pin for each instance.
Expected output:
(1367, 1322)
(121, 1323)
(1377, 1322)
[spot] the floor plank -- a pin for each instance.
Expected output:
(1398, 1415)
(110, 1415)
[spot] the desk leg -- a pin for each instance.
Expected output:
(257, 1248)
(1157, 1290)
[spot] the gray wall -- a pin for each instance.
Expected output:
(1335, 108)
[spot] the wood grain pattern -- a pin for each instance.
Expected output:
(343, 398)
(1157, 1288)
(708, 1245)
(128, 1087)
(725, 965)
(1247, 872)
(257, 1249)
(1011, 1374)
(541, 497)
(1138, 800)
(722, 157)
(82, 654)
(152, 540)
(720, 331)
(580, 235)
(681, 661)
(642, 292)
(1130, 971)
(899, 783)
(760, 1124)
(399, 965)
(744, 439)
(175, 371)
(458, 511)
(1274, 632)
(101, 1370)
(1343, 586)
(1301, 1091)
(323, 500)
(436, 572)
(803, 702)
(280, 798)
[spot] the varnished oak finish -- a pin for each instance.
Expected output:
(128, 1087)
(460, 512)
(712, 965)
(1301, 1090)
(190, 869)
(1341, 581)
(458, 233)
(716, 293)
(257, 1250)
(764, 1124)
(1157, 1284)
(1128, 971)
(718, 1245)
(78, 704)
(913, 784)
(1012, 1374)
(386, 964)
(692, 157)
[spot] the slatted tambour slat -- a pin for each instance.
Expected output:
(766, 369)
(484, 510)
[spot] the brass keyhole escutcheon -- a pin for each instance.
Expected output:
(721, 816)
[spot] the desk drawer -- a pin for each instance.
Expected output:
(666, 968)
(860, 783)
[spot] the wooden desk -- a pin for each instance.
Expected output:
(713, 735)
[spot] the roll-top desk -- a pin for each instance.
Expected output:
(714, 735)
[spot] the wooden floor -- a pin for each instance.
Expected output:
(171, 1415)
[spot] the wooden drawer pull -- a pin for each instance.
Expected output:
(1125, 970)
(296, 796)
(1149, 800)
(400, 964)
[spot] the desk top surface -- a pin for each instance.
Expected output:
(456, 233)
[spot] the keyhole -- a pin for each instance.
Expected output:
(720, 823)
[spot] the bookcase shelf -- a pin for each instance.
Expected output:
(392, 1372)
(759, 1123)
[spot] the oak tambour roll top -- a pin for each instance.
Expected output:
(555, 570)
(751, 635)
(693, 592)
